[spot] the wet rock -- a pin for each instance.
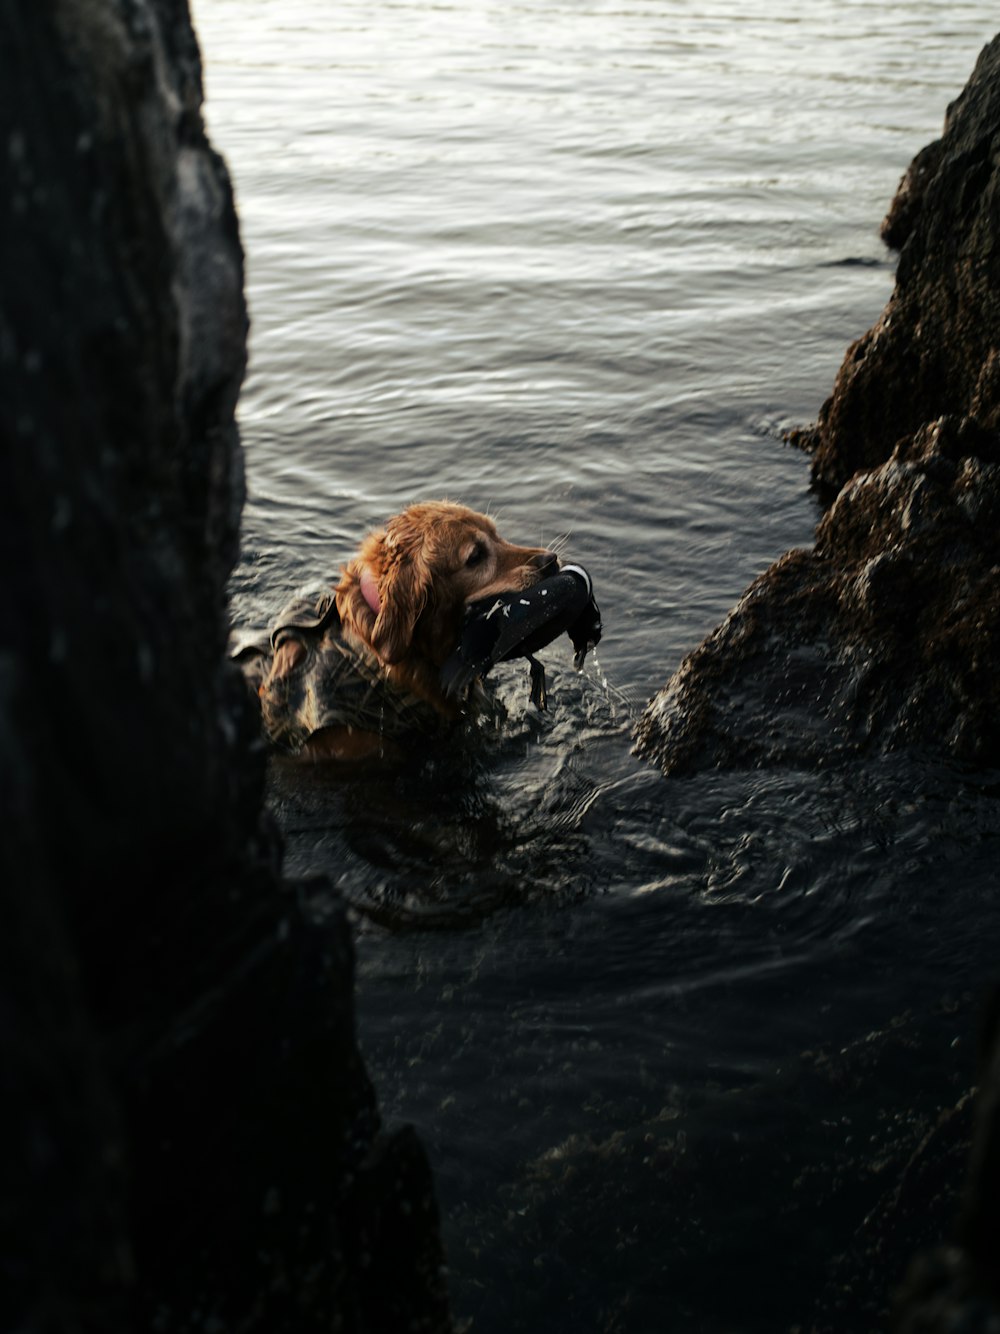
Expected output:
(883, 633)
(934, 350)
(193, 1142)
(917, 1208)
(791, 1201)
(956, 1286)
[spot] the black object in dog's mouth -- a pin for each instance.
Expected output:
(517, 625)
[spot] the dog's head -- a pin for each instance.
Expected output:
(405, 592)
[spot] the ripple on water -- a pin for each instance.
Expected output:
(574, 264)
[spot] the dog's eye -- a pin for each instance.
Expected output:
(475, 556)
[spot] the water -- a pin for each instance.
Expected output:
(580, 266)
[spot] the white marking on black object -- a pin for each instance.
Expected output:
(578, 569)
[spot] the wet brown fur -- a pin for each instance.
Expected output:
(427, 563)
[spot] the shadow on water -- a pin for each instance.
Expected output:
(656, 1031)
(653, 1031)
(496, 816)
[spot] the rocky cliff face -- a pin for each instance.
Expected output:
(192, 1140)
(883, 634)
(934, 351)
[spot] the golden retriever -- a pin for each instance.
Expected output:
(403, 597)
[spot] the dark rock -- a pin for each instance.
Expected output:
(919, 1204)
(956, 1286)
(935, 349)
(904, 210)
(191, 1131)
(821, 1162)
(883, 634)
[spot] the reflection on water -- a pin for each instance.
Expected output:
(579, 265)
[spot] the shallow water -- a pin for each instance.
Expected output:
(580, 266)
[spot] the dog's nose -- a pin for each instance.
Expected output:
(546, 563)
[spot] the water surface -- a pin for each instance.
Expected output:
(580, 266)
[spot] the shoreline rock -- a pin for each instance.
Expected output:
(883, 633)
(935, 349)
(193, 1140)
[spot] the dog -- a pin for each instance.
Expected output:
(356, 670)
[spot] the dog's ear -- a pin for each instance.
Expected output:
(402, 598)
(403, 591)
